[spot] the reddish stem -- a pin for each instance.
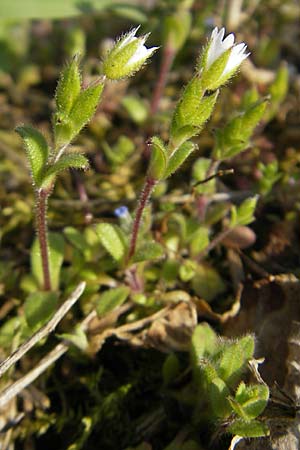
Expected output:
(42, 198)
(145, 195)
(167, 61)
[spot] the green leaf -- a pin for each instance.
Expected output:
(279, 87)
(39, 307)
(112, 239)
(182, 134)
(218, 393)
(111, 299)
(187, 270)
(247, 344)
(208, 373)
(176, 28)
(68, 87)
(270, 174)
(37, 151)
(204, 342)
(50, 9)
(234, 359)
(178, 157)
(244, 214)
(8, 332)
(68, 161)
(120, 152)
(76, 238)
(56, 256)
(252, 399)
(234, 138)
(85, 106)
(77, 338)
(207, 282)
(68, 126)
(251, 429)
(199, 240)
(136, 108)
(200, 169)
(148, 251)
(158, 160)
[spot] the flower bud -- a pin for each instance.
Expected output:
(127, 56)
(221, 59)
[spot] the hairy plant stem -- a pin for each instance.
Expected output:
(167, 61)
(144, 197)
(41, 213)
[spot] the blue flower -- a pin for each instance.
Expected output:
(121, 212)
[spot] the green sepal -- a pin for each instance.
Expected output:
(112, 239)
(125, 58)
(39, 307)
(212, 77)
(111, 299)
(250, 401)
(178, 157)
(248, 429)
(68, 161)
(68, 87)
(37, 151)
(158, 160)
(56, 256)
(115, 62)
(243, 214)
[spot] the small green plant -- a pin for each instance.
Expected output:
(119, 258)
(217, 393)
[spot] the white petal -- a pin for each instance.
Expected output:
(214, 33)
(236, 57)
(221, 34)
(228, 41)
(129, 37)
(140, 55)
(217, 46)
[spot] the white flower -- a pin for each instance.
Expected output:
(217, 46)
(127, 56)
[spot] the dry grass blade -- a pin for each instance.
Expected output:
(44, 331)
